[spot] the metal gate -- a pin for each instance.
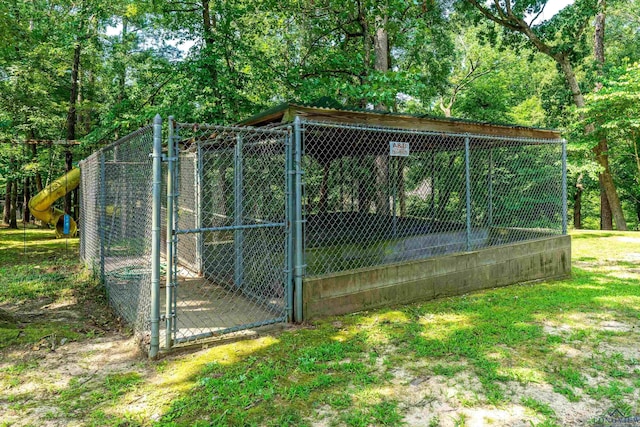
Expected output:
(229, 240)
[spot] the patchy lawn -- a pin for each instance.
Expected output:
(553, 353)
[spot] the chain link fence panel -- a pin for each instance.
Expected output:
(231, 226)
(115, 228)
(447, 193)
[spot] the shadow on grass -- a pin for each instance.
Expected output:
(334, 363)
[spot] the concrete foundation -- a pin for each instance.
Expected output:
(446, 275)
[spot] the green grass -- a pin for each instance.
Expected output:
(54, 301)
(36, 271)
(538, 406)
(357, 370)
(303, 366)
(34, 265)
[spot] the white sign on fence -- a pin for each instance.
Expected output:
(398, 149)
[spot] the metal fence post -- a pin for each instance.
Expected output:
(238, 234)
(102, 213)
(155, 237)
(289, 216)
(490, 190)
(468, 189)
(393, 180)
(170, 240)
(198, 200)
(299, 250)
(564, 186)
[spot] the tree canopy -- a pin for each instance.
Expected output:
(93, 71)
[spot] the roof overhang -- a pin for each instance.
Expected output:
(286, 113)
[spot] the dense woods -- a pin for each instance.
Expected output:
(77, 74)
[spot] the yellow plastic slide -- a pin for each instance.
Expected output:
(40, 204)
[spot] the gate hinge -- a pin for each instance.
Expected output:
(163, 317)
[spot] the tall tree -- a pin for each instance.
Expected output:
(606, 218)
(571, 24)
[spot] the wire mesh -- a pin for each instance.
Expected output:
(451, 193)
(230, 210)
(89, 212)
(115, 228)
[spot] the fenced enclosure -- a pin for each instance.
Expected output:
(116, 226)
(237, 227)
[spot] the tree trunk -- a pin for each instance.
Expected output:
(363, 185)
(598, 38)
(323, 203)
(381, 64)
(88, 94)
(381, 46)
(6, 217)
(209, 25)
(382, 185)
(76, 204)
(446, 109)
(122, 79)
(577, 210)
(366, 47)
(402, 196)
(606, 216)
(610, 188)
(68, 163)
(72, 119)
(572, 81)
(13, 220)
(38, 177)
(26, 192)
(577, 204)
(599, 150)
(73, 96)
(609, 202)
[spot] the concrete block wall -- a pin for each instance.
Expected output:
(446, 275)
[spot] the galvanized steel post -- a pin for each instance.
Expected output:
(198, 196)
(155, 237)
(238, 233)
(289, 216)
(169, 288)
(564, 186)
(393, 181)
(468, 189)
(490, 190)
(102, 213)
(299, 250)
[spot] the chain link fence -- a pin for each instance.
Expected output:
(230, 265)
(115, 226)
(440, 193)
(235, 218)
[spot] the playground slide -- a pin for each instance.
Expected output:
(40, 204)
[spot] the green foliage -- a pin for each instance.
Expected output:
(162, 56)
(615, 112)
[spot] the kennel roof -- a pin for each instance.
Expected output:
(331, 111)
